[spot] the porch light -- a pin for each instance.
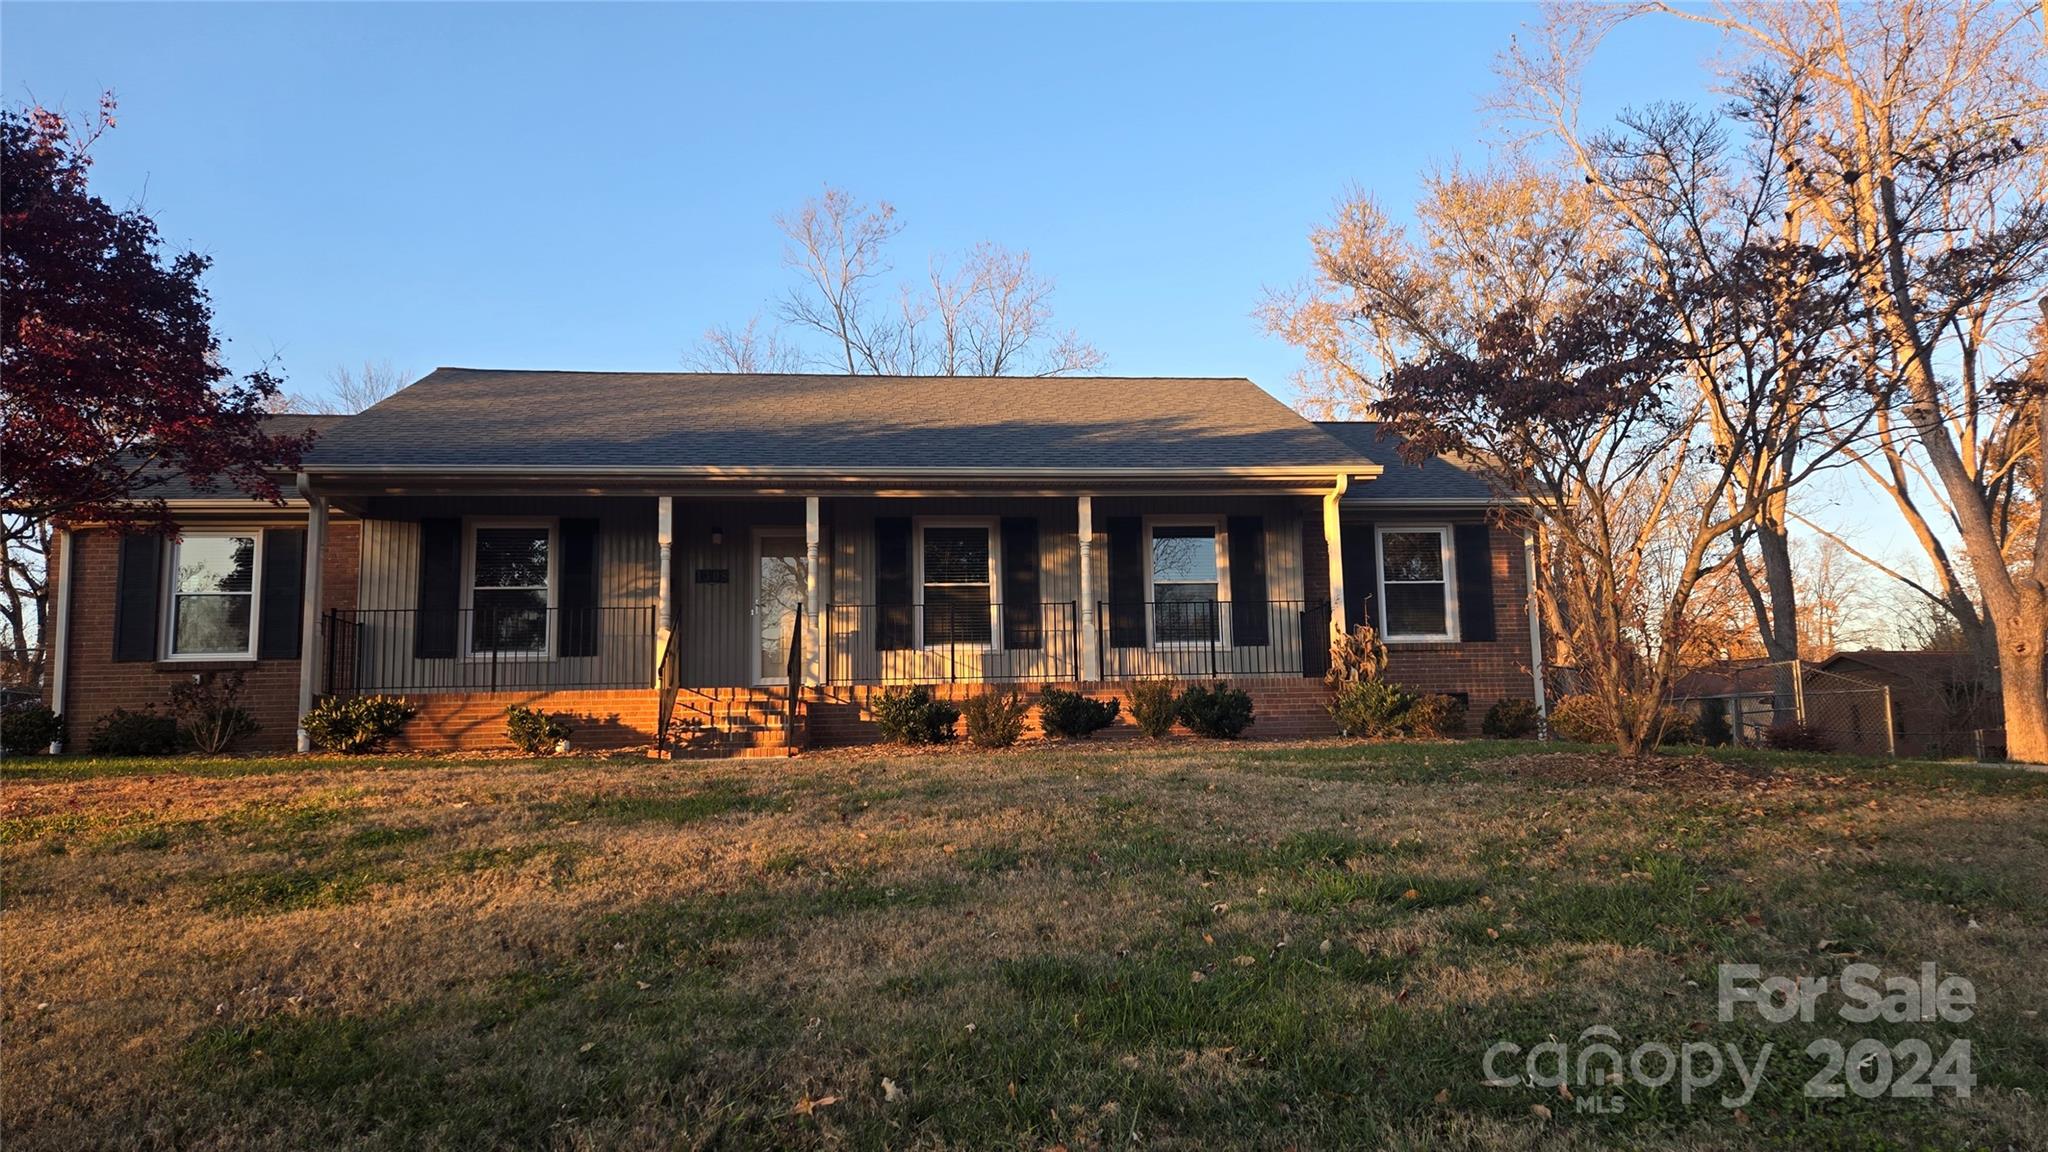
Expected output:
(717, 535)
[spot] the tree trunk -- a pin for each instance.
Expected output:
(2023, 677)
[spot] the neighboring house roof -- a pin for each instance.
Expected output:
(1911, 667)
(1748, 677)
(1436, 480)
(178, 486)
(462, 419)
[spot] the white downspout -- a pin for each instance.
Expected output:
(1535, 629)
(60, 629)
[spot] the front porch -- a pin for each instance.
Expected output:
(721, 623)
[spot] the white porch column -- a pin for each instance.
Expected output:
(60, 630)
(814, 644)
(664, 596)
(1091, 656)
(309, 616)
(1333, 541)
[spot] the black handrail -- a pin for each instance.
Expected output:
(950, 643)
(1211, 639)
(373, 650)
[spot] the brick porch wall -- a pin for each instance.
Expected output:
(98, 684)
(1283, 708)
(475, 721)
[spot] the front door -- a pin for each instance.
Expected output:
(778, 599)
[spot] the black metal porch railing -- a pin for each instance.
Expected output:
(1190, 639)
(933, 643)
(371, 650)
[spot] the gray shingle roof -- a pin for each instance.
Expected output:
(1435, 479)
(459, 418)
(179, 487)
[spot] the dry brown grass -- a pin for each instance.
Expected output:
(620, 953)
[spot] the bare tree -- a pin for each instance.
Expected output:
(1920, 158)
(987, 314)
(348, 390)
(724, 348)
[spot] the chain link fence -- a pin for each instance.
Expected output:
(1793, 704)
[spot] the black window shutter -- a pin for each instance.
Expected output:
(1127, 591)
(1472, 549)
(1022, 628)
(892, 584)
(576, 602)
(284, 594)
(1361, 577)
(1248, 607)
(138, 586)
(435, 630)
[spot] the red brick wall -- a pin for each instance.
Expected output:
(1284, 708)
(475, 721)
(1485, 671)
(98, 685)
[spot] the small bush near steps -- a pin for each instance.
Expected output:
(357, 723)
(995, 719)
(535, 733)
(1219, 711)
(914, 716)
(1070, 714)
(1155, 706)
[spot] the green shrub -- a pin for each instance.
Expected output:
(1063, 713)
(1437, 716)
(357, 723)
(1371, 709)
(535, 733)
(1713, 728)
(1511, 719)
(141, 732)
(28, 728)
(1219, 712)
(1792, 736)
(912, 716)
(209, 718)
(1582, 720)
(1155, 705)
(995, 719)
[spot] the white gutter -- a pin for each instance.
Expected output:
(61, 632)
(1535, 630)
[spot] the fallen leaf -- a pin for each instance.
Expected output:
(1411, 894)
(1443, 1095)
(1196, 976)
(1245, 961)
(891, 1094)
(587, 1047)
(807, 1106)
(1539, 1111)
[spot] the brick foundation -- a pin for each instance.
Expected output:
(98, 684)
(1283, 708)
(475, 721)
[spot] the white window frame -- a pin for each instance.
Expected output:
(995, 567)
(468, 605)
(1216, 525)
(169, 624)
(1444, 541)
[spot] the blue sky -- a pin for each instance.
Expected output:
(590, 186)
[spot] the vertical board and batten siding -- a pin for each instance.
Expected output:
(715, 623)
(854, 655)
(389, 579)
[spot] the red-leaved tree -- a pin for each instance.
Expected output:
(112, 369)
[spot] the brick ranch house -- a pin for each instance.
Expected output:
(735, 564)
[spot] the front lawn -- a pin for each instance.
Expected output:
(1189, 945)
